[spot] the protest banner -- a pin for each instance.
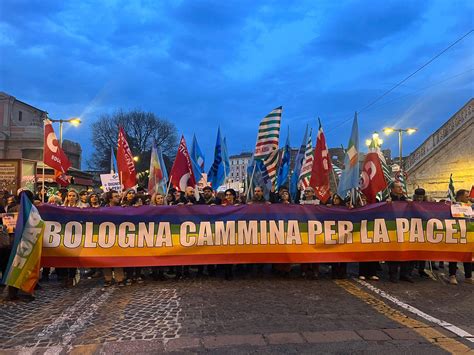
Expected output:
(111, 182)
(190, 235)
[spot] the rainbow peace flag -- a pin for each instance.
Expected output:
(24, 265)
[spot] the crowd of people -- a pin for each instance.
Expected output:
(122, 277)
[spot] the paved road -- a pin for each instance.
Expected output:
(264, 314)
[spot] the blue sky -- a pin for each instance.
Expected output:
(202, 64)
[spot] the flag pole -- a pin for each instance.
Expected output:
(251, 179)
(168, 187)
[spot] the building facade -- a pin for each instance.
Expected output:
(21, 129)
(238, 167)
(22, 132)
(449, 150)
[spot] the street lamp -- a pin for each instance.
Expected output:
(400, 131)
(376, 141)
(74, 121)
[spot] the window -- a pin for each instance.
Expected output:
(20, 115)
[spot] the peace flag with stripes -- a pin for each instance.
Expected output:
(305, 174)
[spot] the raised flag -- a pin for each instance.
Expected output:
(197, 155)
(182, 175)
(321, 168)
(53, 155)
(125, 164)
(305, 174)
(113, 161)
(156, 179)
(471, 194)
(23, 267)
(266, 148)
(350, 175)
(197, 158)
(451, 194)
(295, 176)
(61, 178)
(284, 169)
(372, 179)
(216, 174)
(225, 157)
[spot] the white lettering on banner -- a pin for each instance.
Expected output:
(127, 234)
(28, 239)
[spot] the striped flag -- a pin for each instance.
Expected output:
(295, 175)
(266, 148)
(451, 194)
(158, 177)
(305, 174)
(387, 173)
(337, 170)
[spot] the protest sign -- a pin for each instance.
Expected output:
(111, 182)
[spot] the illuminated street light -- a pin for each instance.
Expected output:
(136, 158)
(400, 131)
(376, 141)
(75, 121)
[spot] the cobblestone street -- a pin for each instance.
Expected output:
(250, 314)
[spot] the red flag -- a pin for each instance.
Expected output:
(181, 174)
(471, 194)
(321, 168)
(125, 164)
(372, 178)
(61, 178)
(53, 155)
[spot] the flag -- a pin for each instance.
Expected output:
(61, 178)
(401, 177)
(350, 175)
(225, 157)
(295, 176)
(321, 168)
(53, 155)
(284, 169)
(337, 170)
(156, 178)
(182, 174)
(471, 194)
(372, 177)
(387, 173)
(197, 159)
(216, 173)
(113, 161)
(451, 194)
(266, 148)
(23, 267)
(125, 164)
(305, 173)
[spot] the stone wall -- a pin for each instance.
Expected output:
(450, 150)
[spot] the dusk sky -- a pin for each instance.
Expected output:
(229, 63)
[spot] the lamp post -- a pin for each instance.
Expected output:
(74, 121)
(400, 131)
(376, 141)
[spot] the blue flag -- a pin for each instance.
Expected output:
(257, 175)
(225, 157)
(197, 159)
(113, 161)
(350, 175)
(216, 172)
(282, 179)
(298, 164)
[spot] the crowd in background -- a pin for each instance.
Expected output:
(133, 198)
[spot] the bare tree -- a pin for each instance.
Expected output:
(142, 130)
